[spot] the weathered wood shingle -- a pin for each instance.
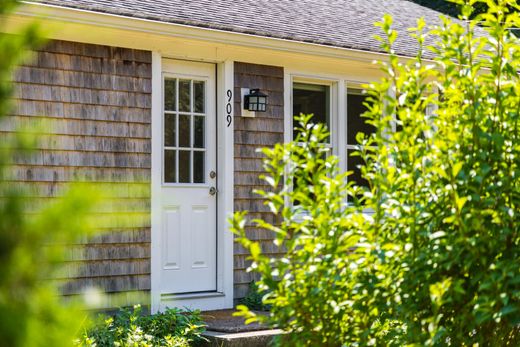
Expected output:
(265, 130)
(92, 104)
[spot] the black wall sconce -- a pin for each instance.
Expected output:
(255, 101)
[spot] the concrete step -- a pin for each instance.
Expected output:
(225, 330)
(259, 338)
(225, 322)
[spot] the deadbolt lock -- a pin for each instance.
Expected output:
(212, 174)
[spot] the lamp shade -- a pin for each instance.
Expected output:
(255, 101)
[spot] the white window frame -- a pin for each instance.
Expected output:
(338, 109)
(333, 85)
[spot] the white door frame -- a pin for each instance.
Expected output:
(223, 297)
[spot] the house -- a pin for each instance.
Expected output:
(149, 95)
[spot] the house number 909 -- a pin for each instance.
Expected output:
(229, 108)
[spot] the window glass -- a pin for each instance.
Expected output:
(184, 166)
(170, 94)
(184, 95)
(184, 151)
(356, 124)
(354, 162)
(170, 130)
(312, 99)
(170, 167)
(198, 167)
(198, 89)
(184, 130)
(198, 129)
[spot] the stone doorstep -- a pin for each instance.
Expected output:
(225, 330)
(224, 321)
(259, 338)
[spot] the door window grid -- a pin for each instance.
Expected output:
(184, 156)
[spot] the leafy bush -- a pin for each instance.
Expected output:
(309, 285)
(437, 261)
(129, 328)
(253, 299)
(32, 240)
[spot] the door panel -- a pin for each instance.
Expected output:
(189, 155)
(172, 239)
(200, 250)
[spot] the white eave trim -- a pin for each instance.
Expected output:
(99, 19)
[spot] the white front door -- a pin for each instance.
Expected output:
(188, 241)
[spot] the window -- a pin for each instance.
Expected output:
(184, 131)
(356, 124)
(312, 99)
(315, 99)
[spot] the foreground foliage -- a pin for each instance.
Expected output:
(253, 299)
(429, 253)
(129, 328)
(32, 239)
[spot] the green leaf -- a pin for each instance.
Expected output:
(255, 249)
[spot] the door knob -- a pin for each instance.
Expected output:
(213, 191)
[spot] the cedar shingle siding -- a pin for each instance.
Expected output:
(265, 129)
(95, 104)
(96, 101)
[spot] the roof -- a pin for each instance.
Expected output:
(337, 23)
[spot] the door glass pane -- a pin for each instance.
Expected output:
(184, 166)
(170, 94)
(169, 166)
(184, 131)
(198, 166)
(198, 125)
(312, 99)
(356, 123)
(170, 125)
(184, 95)
(198, 90)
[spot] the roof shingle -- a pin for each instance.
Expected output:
(338, 23)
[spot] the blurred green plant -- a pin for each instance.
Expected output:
(130, 328)
(32, 240)
(309, 286)
(429, 253)
(253, 299)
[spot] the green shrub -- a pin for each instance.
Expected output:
(32, 238)
(437, 259)
(309, 286)
(131, 328)
(253, 299)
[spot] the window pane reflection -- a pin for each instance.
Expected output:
(356, 123)
(184, 166)
(312, 99)
(184, 95)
